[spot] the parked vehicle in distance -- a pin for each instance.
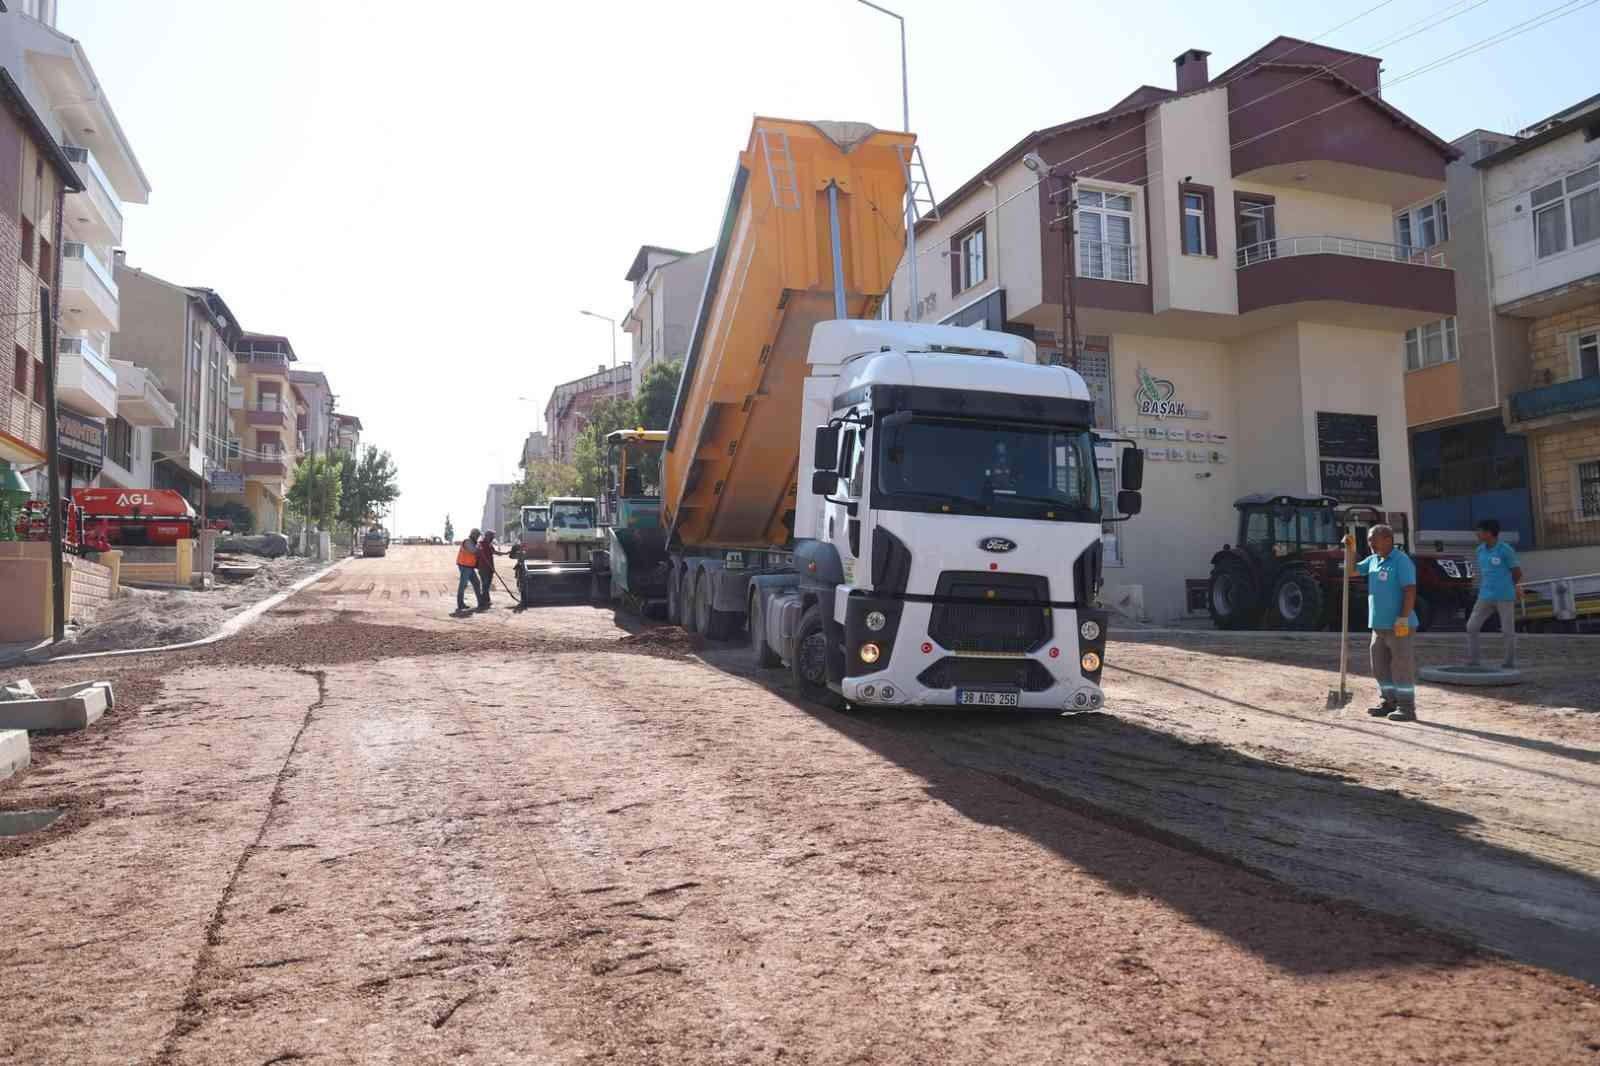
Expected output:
(375, 542)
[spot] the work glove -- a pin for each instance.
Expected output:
(1349, 542)
(1402, 628)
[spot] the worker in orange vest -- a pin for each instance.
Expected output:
(467, 564)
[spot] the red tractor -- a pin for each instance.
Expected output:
(1285, 572)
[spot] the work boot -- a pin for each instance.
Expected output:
(1382, 710)
(1405, 712)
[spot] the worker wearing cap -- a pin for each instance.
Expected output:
(1392, 617)
(467, 564)
(1499, 576)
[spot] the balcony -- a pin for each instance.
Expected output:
(85, 381)
(21, 428)
(96, 212)
(271, 412)
(140, 401)
(1566, 401)
(1347, 279)
(88, 290)
(269, 464)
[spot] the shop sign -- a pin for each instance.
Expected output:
(1158, 398)
(1352, 480)
(227, 481)
(80, 439)
(1350, 436)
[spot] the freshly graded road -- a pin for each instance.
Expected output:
(364, 831)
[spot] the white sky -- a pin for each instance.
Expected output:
(423, 195)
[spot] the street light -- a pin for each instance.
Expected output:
(613, 322)
(905, 116)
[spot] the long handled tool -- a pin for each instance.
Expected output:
(1339, 698)
(507, 587)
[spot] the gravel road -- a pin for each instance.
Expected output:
(364, 831)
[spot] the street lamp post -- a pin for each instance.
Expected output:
(905, 116)
(613, 322)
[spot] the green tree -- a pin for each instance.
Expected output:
(589, 449)
(371, 483)
(658, 390)
(449, 530)
(542, 479)
(315, 493)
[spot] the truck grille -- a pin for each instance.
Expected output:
(1029, 675)
(1005, 614)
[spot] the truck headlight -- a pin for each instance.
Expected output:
(1090, 630)
(870, 653)
(876, 620)
(1090, 661)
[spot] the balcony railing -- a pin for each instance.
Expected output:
(1284, 247)
(1566, 397)
(82, 346)
(271, 403)
(98, 186)
(1107, 260)
(79, 250)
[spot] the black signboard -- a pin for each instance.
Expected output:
(1352, 480)
(1347, 436)
(82, 440)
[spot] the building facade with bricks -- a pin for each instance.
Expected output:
(667, 286)
(1241, 296)
(567, 411)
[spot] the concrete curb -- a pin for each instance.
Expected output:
(229, 628)
(72, 708)
(15, 752)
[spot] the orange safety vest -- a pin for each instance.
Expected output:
(467, 556)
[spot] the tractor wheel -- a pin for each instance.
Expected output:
(1295, 601)
(765, 656)
(1235, 601)
(810, 666)
(714, 624)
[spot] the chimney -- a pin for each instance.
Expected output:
(1192, 72)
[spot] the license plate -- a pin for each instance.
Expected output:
(968, 697)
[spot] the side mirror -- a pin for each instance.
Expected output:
(1129, 502)
(825, 456)
(823, 482)
(1132, 471)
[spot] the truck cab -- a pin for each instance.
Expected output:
(532, 537)
(574, 529)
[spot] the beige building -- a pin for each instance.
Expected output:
(567, 410)
(1241, 301)
(266, 420)
(667, 286)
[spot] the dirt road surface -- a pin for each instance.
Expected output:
(364, 831)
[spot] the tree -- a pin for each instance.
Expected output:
(370, 483)
(449, 530)
(316, 490)
(658, 391)
(589, 450)
(542, 479)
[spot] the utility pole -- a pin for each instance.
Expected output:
(58, 590)
(1065, 194)
(911, 205)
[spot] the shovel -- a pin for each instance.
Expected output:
(1339, 698)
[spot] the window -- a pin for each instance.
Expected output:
(38, 381)
(971, 267)
(1194, 224)
(26, 250)
(1422, 226)
(1256, 229)
(119, 443)
(19, 371)
(1586, 355)
(46, 266)
(233, 447)
(1569, 207)
(1588, 478)
(1105, 235)
(1431, 344)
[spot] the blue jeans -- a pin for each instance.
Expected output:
(469, 577)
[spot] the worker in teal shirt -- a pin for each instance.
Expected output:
(1392, 617)
(1498, 579)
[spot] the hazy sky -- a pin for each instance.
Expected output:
(423, 195)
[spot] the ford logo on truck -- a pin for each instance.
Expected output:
(997, 544)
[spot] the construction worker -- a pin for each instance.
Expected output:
(1499, 578)
(486, 554)
(467, 564)
(1392, 617)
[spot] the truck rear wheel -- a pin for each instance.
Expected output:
(1296, 601)
(674, 608)
(810, 666)
(714, 624)
(688, 617)
(765, 656)
(1234, 598)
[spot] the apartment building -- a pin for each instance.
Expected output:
(569, 405)
(495, 501)
(52, 72)
(266, 425)
(314, 432)
(35, 177)
(667, 286)
(534, 449)
(181, 337)
(346, 431)
(1242, 301)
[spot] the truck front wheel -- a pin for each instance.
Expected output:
(810, 666)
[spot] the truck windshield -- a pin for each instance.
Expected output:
(572, 515)
(966, 467)
(535, 519)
